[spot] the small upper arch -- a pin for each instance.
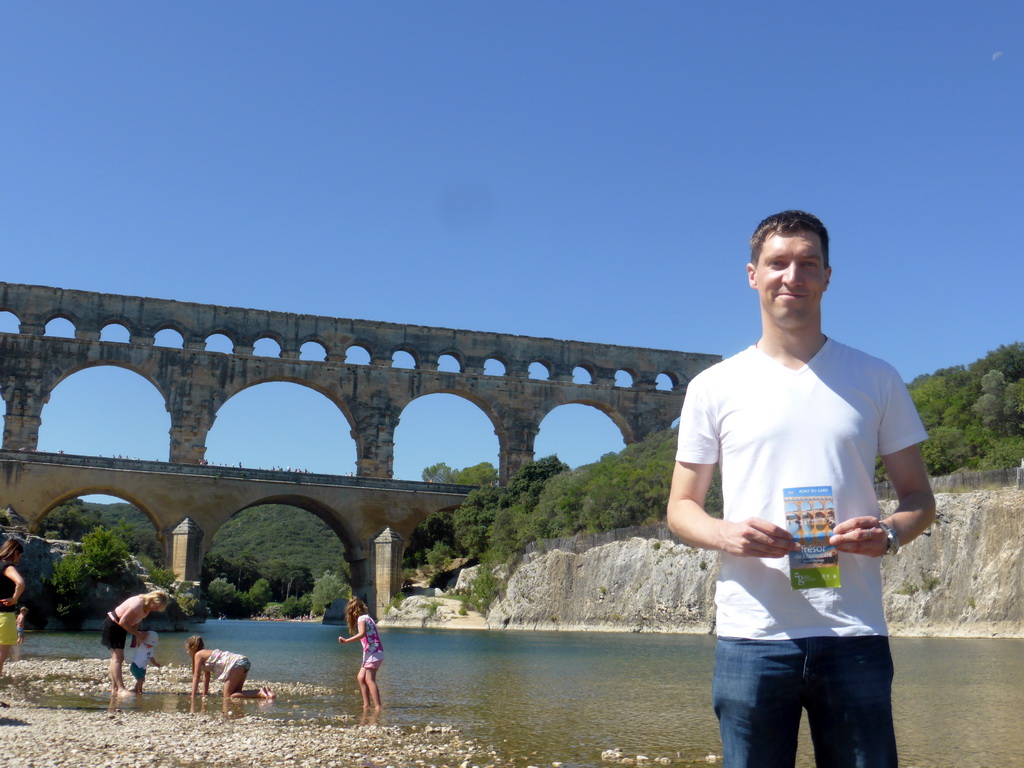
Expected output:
(451, 361)
(60, 326)
(625, 377)
(666, 381)
(584, 373)
(116, 332)
(405, 357)
(219, 341)
(313, 350)
(169, 336)
(9, 322)
(540, 369)
(495, 364)
(358, 354)
(267, 346)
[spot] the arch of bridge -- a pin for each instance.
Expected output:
(195, 383)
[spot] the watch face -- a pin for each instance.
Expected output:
(892, 544)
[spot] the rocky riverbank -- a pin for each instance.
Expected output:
(118, 736)
(433, 612)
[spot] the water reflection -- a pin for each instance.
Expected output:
(959, 702)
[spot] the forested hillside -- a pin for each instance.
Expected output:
(974, 414)
(546, 500)
(287, 546)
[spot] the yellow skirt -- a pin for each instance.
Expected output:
(8, 628)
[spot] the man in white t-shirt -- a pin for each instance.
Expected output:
(795, 423)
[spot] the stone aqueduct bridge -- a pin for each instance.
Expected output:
(372, 517)
(195, 383)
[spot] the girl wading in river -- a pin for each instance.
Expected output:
(364, 629)
(231, 668)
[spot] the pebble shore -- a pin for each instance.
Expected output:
(35, 736)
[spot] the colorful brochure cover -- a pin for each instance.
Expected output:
(810, 517)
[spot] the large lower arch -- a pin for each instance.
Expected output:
(594, 430)
(115, 409)
(105, 489)
(272, 423)
(456, 418)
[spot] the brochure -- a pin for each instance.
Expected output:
(810, 517)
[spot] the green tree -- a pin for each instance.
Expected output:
(287, 579)
(105, 553)
(483, 473)
(974, 414)
(472, 521)
(440, 556)
(223, 599)
(162, 577)
(186, 600)
(438, 473)
(435, 529)
(326, 590)
(258, 596)
(997, 406)
(68, 584)
(284, 544)
(296, 607)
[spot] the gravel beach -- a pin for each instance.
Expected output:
(33, 735)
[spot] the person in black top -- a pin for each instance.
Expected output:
(11, 587)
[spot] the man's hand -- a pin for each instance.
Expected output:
(755, 537)
(860, 536)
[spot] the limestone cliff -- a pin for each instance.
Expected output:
(964, 578)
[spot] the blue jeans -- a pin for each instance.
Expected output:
(844, 683)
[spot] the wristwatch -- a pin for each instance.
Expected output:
(892, 539)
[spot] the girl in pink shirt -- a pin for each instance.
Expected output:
(364, 629)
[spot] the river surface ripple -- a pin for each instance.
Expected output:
(567, 696)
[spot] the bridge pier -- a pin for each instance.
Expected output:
(387, 550)
(186, 550)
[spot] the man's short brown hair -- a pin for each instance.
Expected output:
(788, 223)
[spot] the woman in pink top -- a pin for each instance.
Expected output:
(125, 620)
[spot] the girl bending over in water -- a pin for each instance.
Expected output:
(232, 668)
(365, 629)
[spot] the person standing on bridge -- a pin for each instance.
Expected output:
(125, 620)
(795, 423)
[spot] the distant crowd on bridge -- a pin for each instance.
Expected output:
(206, 463)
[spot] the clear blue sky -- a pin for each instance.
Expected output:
(582, 170)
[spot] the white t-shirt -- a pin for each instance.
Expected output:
(770, 428)
(142, 656)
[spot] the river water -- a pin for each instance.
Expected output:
(550, 696)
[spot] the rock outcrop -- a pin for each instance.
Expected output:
(965, 578)
(36, 567)
(433, 612)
